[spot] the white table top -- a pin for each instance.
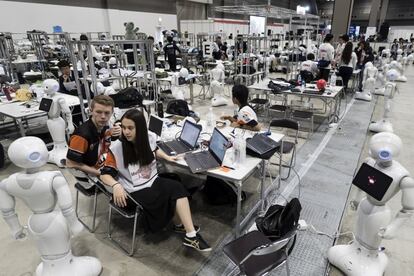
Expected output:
(242, 171)
(19, 110)
(262, 85)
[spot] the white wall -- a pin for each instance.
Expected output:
(400, 31)
(19, 17)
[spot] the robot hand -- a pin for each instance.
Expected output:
(76, 227)
(390, 231)
(70, 128)
(21, 235)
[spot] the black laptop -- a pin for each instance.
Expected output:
(211, 158)
(155, 125)
(372, 181)
(261, 144)
(185, 143)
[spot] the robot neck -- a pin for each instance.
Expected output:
(385, 164)
(32, 170)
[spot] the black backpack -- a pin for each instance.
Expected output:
(178, 107)
(279, 220)
(218, 192)
(128, 97)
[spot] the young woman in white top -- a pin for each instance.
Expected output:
(325, 57)
(347, 63)
(131, 167)
(246, 117)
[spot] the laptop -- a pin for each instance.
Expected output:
(372, 181)
(155, 125)
(185, 143)
(211, 158)
(260, 143)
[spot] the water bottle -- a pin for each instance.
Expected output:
(210, 121)
(303, 85)
(299, 80)
(333, 80)
(239, 146)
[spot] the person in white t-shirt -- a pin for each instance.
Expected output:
(310, 66)
(325, 57)
(246, 117)
(343, 39)
(131, 166)
(347, 63)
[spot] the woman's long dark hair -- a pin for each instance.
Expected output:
(139, 152)
(347, 53)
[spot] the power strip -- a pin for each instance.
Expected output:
(302, 225)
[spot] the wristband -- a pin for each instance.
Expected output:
(115, 184)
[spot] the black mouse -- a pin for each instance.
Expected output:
(329, 93)
(28, 105)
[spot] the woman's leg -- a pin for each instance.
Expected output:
(182, 208)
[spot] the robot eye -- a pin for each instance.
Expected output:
(34, 156)
(384, 155)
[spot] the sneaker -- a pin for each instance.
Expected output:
(197, 243)
(181, 230)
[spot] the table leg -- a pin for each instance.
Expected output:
(191, 93)
(21, 127)
(280, 165)
(262, 184)
(238, 214)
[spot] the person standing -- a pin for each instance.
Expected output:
(325, 57)
(170, 53)
(347, 64)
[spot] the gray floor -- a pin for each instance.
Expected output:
(162, 254)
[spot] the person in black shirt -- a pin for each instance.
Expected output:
(66, 79)
(170, 53)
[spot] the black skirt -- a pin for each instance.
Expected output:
(158, 202)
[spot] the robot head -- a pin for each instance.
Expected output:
(184, 73)
(369, 64)
(410, 57)
(50, 86)
(392, 74)
(384, 146)
(399, 52)
(28, 152)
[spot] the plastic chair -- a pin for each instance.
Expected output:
(255, 254)
(307, 76)
(129, 213)
(278, 103)
(288, 147)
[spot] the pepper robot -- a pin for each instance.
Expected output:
(369, 80)
(57, 126)
(217, 86)
(49, 227)
(363, 257)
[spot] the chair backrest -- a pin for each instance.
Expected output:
(285, 123)
(307, 76)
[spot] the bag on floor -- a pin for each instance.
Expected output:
(218, 192)
(279, 219)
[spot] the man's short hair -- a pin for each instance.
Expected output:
(310, 56)
(63, 63)
(102, 100)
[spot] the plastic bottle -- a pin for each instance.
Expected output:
(210, 121)
(299, 80)
(239, 146)
(333, 80)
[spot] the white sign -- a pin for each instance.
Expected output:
(371, 31)
(300, 10)
(208, 49)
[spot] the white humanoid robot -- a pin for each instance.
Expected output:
(369, 79)
(397, 66)
(410, 59)
(58, 127)
(103, 90)
(384, 125)
(217, 86)
(363, 257)
(49, 227)
(399, 55)
(381, 80)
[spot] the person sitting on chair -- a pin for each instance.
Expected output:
(131, 166)
(246, 117)
(309, 66)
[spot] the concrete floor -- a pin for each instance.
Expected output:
(182, 262)
(401, 249)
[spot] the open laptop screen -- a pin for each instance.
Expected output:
(190, 133)
(155, 125)
(372, 181)
(218, 145)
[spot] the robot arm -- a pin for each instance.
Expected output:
(407, 201)
(65, 204)
(67, 114)
(7, 205)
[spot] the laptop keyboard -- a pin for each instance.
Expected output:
(203, 160)
(178, 147)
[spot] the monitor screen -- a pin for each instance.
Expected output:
(155, 125)
(257, 25)
(190, 133)
(218, 144)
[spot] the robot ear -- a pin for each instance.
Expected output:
(125, 23)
